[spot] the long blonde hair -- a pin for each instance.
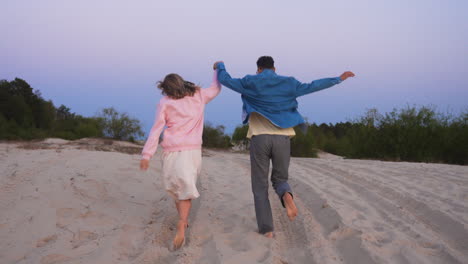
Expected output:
(176, 88)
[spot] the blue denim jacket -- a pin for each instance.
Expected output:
(271, 95)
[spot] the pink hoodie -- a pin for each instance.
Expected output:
(183, 119)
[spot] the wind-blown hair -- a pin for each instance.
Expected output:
(175, 87)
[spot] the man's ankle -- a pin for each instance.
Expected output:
(288, 196)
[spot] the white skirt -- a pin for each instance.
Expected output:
(180, 171)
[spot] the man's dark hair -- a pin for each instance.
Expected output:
(265, 62)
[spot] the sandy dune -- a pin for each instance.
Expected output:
(83, 202)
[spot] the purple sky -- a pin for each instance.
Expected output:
(94, 54)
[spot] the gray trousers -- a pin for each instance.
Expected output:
(264, 148)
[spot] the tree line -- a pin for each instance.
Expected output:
(25, 115)
(419, 134)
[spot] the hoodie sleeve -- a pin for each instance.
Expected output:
(151, 144)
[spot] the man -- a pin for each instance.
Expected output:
(270, 108)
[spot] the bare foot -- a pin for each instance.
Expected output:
(269, 234)
(179, 238)
(291, 208)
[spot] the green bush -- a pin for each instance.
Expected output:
(119, 125)
(303, 145)
(214, 137)
(408, 134)
(24, 114)
(239, 137)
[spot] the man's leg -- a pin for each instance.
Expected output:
(280, 156)
(260, 149)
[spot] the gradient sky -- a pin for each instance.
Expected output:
(89, 55)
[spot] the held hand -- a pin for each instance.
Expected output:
(346, 75)
(215, 65)
(144, 164)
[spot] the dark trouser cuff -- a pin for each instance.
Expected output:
(282, 188)
(265, 231)
(282, 201)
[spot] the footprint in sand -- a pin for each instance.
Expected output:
(131, 242)
(83, 237)
(238, 243)
(46, 240)
(97, 219)
(343, 232)
(54, 259)
(66, 216)
(90, 188)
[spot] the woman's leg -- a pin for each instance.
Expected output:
(177, 206)
(184, 210)
(183, 207)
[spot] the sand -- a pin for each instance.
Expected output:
(86, 202)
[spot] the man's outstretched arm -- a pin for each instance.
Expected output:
(225, 79)
(317, 85)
